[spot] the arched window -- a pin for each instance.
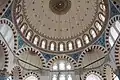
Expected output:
(69, 77)
(29, 34)
(62, 77)
(70, 46)
(102, 17)
(3, 29)
(18, 9)
(43, 44)
(62, 65)
(7, 32)
(111, 41)
(117, 25)
(98, 26)
(78, 42)
(8, 35)
(86, 39)
(93, 77)
(61, 47)
(9, 78)
(52, 46)
(23, 28)
(115, 77)
(54, 77)
(36, 39)
(102, 7)
(113, 33)
(31, 78)
(55, 66)
(92, 32)
(19, 19)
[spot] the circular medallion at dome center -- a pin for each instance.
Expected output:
(60, 19)
(60, 7)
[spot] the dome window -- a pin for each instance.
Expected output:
(52, 46)
(98, 26)
(18, 9)
(36, 39)
(23, 28)
(78, 41)
(86, 39)
(43, 44)
(92, 32)
(102, 7)
(29, 34)
(70, 46)
(19, 19)
(61, 47)
(101, 16)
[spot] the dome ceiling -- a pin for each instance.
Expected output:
(60, 22)
(53, 20)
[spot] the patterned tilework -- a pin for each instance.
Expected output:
(101, 41)
(21, 43)
(114, 11)
(75, 56)
(48, 56)
(8, 14)
(3, 78)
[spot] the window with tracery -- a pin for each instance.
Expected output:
(61, 74)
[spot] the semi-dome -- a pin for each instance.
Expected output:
(60, 26)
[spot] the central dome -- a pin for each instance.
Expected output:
(45, 18)
(61, 20)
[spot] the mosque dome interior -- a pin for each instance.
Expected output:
(59, 40)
